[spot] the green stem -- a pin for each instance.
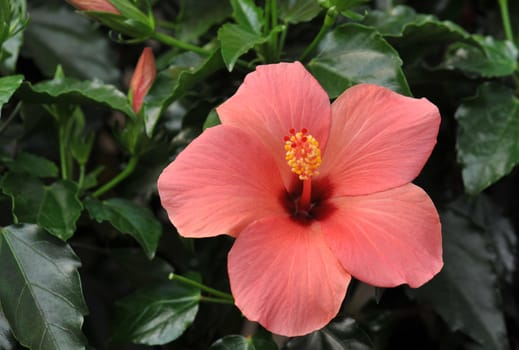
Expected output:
(81, 176)
(212, 291)
(62, 135)
(328, 22)
(274, 23)
(503, 5)
(216, 300)
(130, 167)
(169, 40)
(166, 24)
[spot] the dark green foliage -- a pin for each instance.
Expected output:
(78, 168)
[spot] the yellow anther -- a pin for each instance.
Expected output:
(302, 154)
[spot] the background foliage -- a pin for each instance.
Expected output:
(86, 252)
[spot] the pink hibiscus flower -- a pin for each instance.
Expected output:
(314, 194)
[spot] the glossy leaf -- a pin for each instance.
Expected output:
(74, 91)
(235, 41)
(156, 315)
(297, 11)
(128, 218)
(55, 208)
(239, 342)
(353, 54)
(490, 58)
(40, 289)
(172, 83)
(403, 22)
(341, 335)
(487, 143)
(60, 36)
(8, 85)
(31, 164)
(247, 15)
(59, 210)
(466, 292)
(26, 193)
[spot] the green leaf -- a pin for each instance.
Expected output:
(73, 91)
(184, 73)
(26, 193)
(211, 120)
(60, 209)
(30, 164)
(138, 269)
(239, 342)
(235, 41)
(490, 58)
(7, 341)
(403, 22)
(128, 218)
(12, 23)
(487, 142)
(130, 11)
(341, 335)
(466, 292)
(8, 85)
(156, 315)
(353, 54)
(60, 36)
(193, 22)
(297, 11)
(40, 289)
(248, 16)
(489, 216)
(56, 208)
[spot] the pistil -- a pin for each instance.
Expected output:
(306, 196)
(304, 157)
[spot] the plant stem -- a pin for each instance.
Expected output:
(81, 179)
(274, 22)
(62, 151)
(130, 167)
(169, 40)
(166, 24)
(216, 300)
(212, 291)
(505, 17)
(329, 21)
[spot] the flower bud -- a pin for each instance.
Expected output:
(94, 5)
(142, 79)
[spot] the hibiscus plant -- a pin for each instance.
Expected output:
(259, 175)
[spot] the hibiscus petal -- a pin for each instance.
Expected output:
(284, 276)
(378, 140)
(220, 183)
(387, 238)
(272, 100)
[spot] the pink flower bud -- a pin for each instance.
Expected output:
(94, 5)
(142, 78)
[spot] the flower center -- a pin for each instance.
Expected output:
(302, 154)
